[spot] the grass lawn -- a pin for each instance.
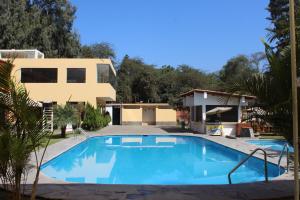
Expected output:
(56, 137)
(272, 137)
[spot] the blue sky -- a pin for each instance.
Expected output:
(200, 33)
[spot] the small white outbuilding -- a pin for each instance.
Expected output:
(211, 111)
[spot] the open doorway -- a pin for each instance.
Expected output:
(148, 116)
(116, 116)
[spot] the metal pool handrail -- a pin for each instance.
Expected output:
(243, 161)
(286, 146)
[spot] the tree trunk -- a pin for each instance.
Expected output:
(63, 131)
(17, 189)
(34, 186)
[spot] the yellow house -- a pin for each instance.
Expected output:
(61, 80)
(142, 114)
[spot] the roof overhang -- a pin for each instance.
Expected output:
(218, 93)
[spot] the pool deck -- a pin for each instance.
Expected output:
(280, 188)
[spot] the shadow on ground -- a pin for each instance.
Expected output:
(175, 129)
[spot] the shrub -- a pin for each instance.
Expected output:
(94, 119)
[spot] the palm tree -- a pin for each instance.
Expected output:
(273, 91)
(21, 131)
(64, 115)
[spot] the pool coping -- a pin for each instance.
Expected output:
(241, 146)
(62, 146)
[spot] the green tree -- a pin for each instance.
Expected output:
(98, 50)
(167, 84)
(273, 87)
(44, 25)
(124, 93)
(144, 87)
(236, 69)
(279, 33)
(21, 133)
(14, 24)
(273, 91)
(137, 81)
(64, 115)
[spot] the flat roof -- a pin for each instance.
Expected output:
(99, 60)
(21, 53)
(213, 92)
(138, 104)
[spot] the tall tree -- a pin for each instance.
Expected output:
(14, 24)
(138, 81)
(279, 17)
(273, 87)
(237, 68)
(98, 50)
(46, 25)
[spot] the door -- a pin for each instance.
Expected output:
(116, 116)
(148, 116)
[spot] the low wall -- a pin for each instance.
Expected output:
(229, 129)
(165, 116)
(198, 127)
(132, 116)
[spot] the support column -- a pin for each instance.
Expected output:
(203, 119)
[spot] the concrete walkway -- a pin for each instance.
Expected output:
(54, 189)
(139, 130)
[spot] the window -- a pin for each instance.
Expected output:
(105, 74)
(198, 113)
(229, 116)
(39, 75)
(76, 75)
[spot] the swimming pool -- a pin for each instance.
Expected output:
(276, 145)
(158, 160)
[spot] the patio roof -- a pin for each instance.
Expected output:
(191, 92)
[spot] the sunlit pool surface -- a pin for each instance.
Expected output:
(276, 145)
(158, 160)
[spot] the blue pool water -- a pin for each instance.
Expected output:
(156, 160)
(276, 145)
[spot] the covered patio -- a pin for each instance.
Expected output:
(215, 110)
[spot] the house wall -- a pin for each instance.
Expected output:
(156, 115)
(165, 116)
(199, 99)
(62, 91)
(132, 116)
(198, 126)
(229, 129)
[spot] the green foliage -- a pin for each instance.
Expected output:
(279, 33)
(38, 24)
(64, 115)
(94, 119)
(236, 69)
(138, 81)
(273, 91)
(273, 87)
(21, 131)
(98, 50)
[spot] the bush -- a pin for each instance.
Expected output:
(94, 119)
